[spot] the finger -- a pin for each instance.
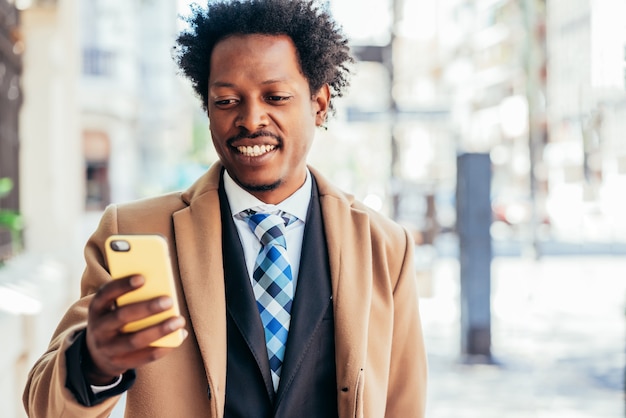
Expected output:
(124, 344)
(119, 352)
(106, 296)
(113, 321)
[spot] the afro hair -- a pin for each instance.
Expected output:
(322, 48)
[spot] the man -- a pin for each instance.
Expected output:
(349, 342)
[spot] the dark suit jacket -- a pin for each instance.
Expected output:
(308, 384)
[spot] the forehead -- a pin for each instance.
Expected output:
(254, 57)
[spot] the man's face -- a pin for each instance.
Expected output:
(262, 113)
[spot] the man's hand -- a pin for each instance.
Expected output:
(113, 352)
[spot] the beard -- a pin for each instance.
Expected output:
(260, 187)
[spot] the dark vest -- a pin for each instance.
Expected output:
(308, 385)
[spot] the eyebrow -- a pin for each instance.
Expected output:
(231, 85)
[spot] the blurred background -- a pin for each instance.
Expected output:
(492, 129)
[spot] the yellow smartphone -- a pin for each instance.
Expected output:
(147, 255)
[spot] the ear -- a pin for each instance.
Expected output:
(321, 104)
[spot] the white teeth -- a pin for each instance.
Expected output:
(256, 150)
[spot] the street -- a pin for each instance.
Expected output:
(557, 340)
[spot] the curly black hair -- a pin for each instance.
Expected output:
(322, 48)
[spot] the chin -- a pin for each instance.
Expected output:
(260, 187)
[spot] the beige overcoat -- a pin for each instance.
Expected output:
(380, 356)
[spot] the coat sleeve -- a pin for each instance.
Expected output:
(46, 393)
(406, 395)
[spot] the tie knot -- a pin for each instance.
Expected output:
(269, 228)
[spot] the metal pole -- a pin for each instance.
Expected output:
(475, 254)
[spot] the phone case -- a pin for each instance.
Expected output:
(147, 255)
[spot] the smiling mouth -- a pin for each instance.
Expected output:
(255, 150)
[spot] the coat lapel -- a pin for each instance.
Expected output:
(198, 236)
(349, 250)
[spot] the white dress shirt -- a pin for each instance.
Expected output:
(297, 205)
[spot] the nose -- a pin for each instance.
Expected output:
(252, 116)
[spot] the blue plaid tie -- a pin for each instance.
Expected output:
(273, 284)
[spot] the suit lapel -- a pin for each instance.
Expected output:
(313, 295)
(241, 303)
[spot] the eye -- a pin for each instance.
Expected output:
(225, 102)
(278, 99)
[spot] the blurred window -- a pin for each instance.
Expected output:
(97, 62)
(96, 150)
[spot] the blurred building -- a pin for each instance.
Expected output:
(586, 106)
(47, 172)
(392, 130)
(433, 80)
(496, 72)
(135, 127)
(538, 85)
(91, 112)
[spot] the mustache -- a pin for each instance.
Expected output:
(252, 135)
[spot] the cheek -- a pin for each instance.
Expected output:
(216, 138)
(305, 141)
(217, 128)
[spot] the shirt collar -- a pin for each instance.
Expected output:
(297, 204)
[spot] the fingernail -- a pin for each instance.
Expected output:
(136, 281)
(175, 323)
(165, 302)
(185, 333)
